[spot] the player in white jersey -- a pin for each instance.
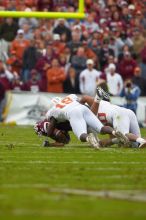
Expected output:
(122, 119)
(79, 116)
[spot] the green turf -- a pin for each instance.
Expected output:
(32, 179)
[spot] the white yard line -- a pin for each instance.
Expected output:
(131, 195)
(45, 212)
(70, 162)
(122, 195)
(86, 169)
(66, 150)
(29, 144)
(68, 147)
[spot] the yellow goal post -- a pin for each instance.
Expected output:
(53, 15)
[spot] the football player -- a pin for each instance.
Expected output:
(79, 116)
(59, 133)
(122, 119)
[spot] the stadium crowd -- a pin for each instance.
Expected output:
(107, 48)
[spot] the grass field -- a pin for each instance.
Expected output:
(75, 182)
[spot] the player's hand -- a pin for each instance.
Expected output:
(46, 143)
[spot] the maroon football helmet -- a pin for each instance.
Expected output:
(58, 135)
(41, 127)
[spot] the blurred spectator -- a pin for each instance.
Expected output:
(57, 45)
(94, 45)
(131, 93)
(75, 43)
(120, 41)
(63, 62)
(33, 84)
(89, 52)
(126, 15)
(32, 22)
(114, 81)
(126, 66)
(44, 5)
(111, 60)
(139, 80)
(89, 78)
(28, 34)
(90, 24)
(12, 5)
(4, 47)
(126, 49)
(138, 40)
(44, 61)
(2, 100)
(30, 57)
(14, 63)
(80, 31)
(55, 77)
(8, 29)
(78, 61)
(110, 32)
(19, 44)
(61, 28)
(5, 76)
(71, 83)
(113, 46)
(143, 60)
(17, 84)
(104, 52)
(40, 45)
(67, 53)
(140, 19)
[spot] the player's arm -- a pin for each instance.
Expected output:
(94, 105)
(86, 99)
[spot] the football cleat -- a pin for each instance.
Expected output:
(142, 145)
(93, 141)
(101, 94)
(122, 138)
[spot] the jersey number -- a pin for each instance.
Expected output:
(64, 102)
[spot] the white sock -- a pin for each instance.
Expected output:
(87, 138)
(114, 132)
(140, 140)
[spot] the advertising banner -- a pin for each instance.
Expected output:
(26, 108)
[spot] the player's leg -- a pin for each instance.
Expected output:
(134, 126)
(135, 134)
(109, 142)
(93, 122)
(100, 94)
(79, 127)
(122, 122)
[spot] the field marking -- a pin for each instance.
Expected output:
(109, 194)
(35, 212)
(67, 150)
(70, 162)
(40, 145)
(83, 145)
(86, 169)
(131, 195)
(41, 186)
